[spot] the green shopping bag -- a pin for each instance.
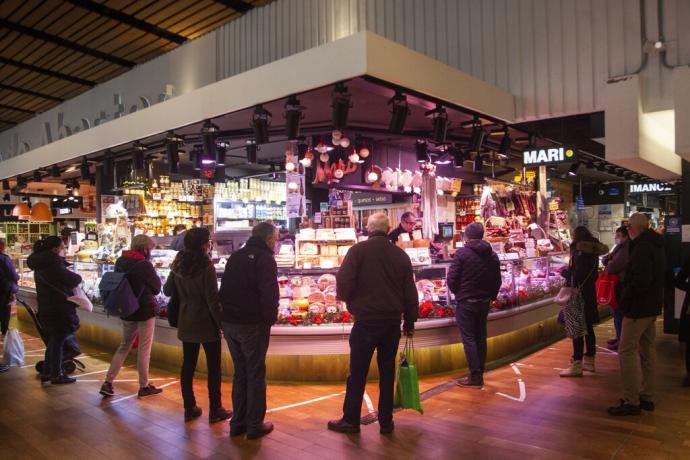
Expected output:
(407, 381)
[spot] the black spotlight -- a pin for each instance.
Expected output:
(261, 120)
(21, 182)
(197, 157)
(84, 169)
(293, 115)
(6, 197)
(5, 184)
(399, 112)
(108, 166)
(138, 160)
(601, 166)
(478, 163)
(421, 151)
(478, 135)
(208, 134)
(504, 148)
(37, 176)
(439, 123)
(341, 106)
(573, 169)
(173, 154)
(55, 171)
(221, 153)
(252, 150)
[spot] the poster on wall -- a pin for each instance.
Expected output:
(295, 206)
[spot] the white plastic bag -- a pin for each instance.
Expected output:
(13, 354)
(81, 299)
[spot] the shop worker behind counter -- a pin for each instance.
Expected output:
(249, 297)
(407, 223)
(376, 281)
(474, 277)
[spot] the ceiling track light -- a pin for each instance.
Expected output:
(439, 123)
(197, 157)
(293, 115)
(478, 163)
(421, 151)
(221, 154)
(458, 157)
(341, 104)
(504, 148)
(590, 164)
(37, 177)
(400, 109)
(252, 150)
(572, 171)
(209, 133)
(138, 160)
(84, 169)
(5, 184)
(261, 120)
(55, 171)
(478, 135)
(21, 182)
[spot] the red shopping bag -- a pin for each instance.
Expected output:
(606, 289)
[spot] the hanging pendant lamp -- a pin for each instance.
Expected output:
(21, 211)
(40, 212)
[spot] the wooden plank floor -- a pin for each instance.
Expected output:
(549, 417)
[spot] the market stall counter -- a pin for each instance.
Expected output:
(310, 340)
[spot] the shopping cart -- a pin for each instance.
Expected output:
(70, 351)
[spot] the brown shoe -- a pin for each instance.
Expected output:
(262, 431)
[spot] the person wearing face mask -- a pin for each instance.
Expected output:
(146, 285)
(616, 262)
(58, 316)
(249, 296)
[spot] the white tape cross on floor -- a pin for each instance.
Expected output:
(521, 386)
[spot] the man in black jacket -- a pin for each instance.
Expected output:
(641, 302)
(474, 278)
(249, 295)
(377, 283)
(407, 223)
(8, 287)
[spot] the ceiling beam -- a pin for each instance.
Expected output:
(50, 73)
(29, 92)
(237, 5)
(129, 20)
(7, 122)
(50, 38)
(17, 109)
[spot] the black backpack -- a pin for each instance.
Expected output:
(117, 294)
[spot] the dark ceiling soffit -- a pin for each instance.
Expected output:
(129, 20)
(50, 38)
(29, 92)
(50, 73)
(17, 109)
(237, 5)
(7, 122)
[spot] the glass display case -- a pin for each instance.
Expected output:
(525, 281)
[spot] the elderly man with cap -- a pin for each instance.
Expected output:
(474, 278)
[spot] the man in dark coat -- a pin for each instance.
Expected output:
(8, 287)
(377, 282)
(474, 277)
(407, 223)
(249, 296)
(641, 302)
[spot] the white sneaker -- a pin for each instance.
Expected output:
(575, 370)
(588, 364)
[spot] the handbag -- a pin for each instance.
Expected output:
(564, 295)
(606, 289)
(574, 319)
(79, 297)
(173, 307)
(407, 380)
(13, 353)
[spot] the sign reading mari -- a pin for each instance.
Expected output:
(552, 156)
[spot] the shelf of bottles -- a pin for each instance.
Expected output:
(241, 204)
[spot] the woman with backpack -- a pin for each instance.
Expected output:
(58, 316)
(581, 274)
(146, 285)
(193, 279)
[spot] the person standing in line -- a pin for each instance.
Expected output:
(682, 281)
(193, 277)
(581, 273)
(641, 302)
(146, 285)
(58, 316)
(177, 242)
(8, 287)
(407, 222)
(616, 262)
(249, 297)
(474, 277)
(377, 283)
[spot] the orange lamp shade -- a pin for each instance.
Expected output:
(40, 212)
(22, 211)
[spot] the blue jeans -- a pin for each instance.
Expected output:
(471, 318)
(384, 337)
(52, 365)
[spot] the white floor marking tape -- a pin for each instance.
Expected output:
(523, 393)
(91, 373)
(303, 403)
(611, 352)
(124, 398)
(370, 405)
(516, 369)
(122, 380)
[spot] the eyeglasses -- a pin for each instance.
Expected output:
(409, 222)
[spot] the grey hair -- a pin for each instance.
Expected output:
(264, 230)
(378, 222)
(639, 221)
(141, 242)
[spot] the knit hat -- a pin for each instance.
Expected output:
(474, 231)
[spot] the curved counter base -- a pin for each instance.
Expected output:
(321, 353)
